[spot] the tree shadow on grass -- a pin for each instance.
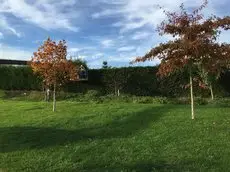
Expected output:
(20, 138)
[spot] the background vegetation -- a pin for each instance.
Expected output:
(135, 81)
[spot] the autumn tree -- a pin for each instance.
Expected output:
(51, 64)
(194, 43)
(211, 69)
(208, 79)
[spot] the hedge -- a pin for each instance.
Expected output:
(18, 78)
(139, 81)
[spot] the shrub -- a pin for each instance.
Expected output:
(2, 94)
(181, 100)
(225, 102)
(161, 100)
(35, 95)
(201, 101)
(143, 100)
(92, 95)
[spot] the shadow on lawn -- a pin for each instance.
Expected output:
(20, 138)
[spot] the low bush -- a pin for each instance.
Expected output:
(181, 100)
(2, 94)
(187, 100)
(151, 100)
(143, 100)
(92, 95)
(201, 101)
(225, 102)
(161, 100)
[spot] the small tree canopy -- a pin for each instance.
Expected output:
(194, 41)
(50, 62)
(194, 44)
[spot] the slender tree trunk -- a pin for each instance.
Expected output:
(45, 93)
(191, 91)
(115, 89)
(54, 98)
(211, 90)
(48, 94)
(44, 90)
(118, 92)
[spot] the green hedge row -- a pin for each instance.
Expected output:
(139, 81)
(18, 78)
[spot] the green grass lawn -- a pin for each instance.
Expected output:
(113, 137)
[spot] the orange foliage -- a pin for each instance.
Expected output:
(50, 62)
(195, 42)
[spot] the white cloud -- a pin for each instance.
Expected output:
(74, 50)
(136, 14)
(82, 57)
(14, 53)
(106, 12)
(99, 54)
(5, 26)
(120, 58)
(125, 49)
(141, 35)
(47, 14)
(78, 50)
(107, 43)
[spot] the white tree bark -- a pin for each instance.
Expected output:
(211, 90)
(45, 93)
(192, 97)
(54, 98)
(115, 88)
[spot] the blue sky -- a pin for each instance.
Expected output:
(95, 30)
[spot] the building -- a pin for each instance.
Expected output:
(13, 62)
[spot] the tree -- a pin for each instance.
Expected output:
(193, 44)
(115, 79)
(105, 65)
(211, 69)
(51, 64)
(208, 79)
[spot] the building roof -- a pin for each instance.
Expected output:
(13, 62)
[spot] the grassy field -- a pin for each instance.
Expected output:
(113, 137)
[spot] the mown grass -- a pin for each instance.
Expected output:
(113, 137)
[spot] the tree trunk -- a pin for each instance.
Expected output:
(54, 98)
(118, 92)
(115, 89)
(192, 97)
(45, 95)
(48, 95)
(211, 90)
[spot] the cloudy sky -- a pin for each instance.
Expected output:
(95, 30)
